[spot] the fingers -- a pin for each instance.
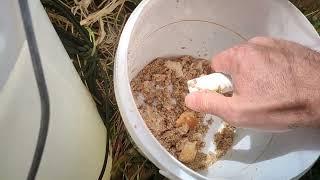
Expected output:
(229, 61)
(264, 41)
(222, 62)
(211, 103)
(273, 42)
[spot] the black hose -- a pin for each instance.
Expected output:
(42, 88)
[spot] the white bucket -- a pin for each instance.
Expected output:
(203, 28)
(76, 142)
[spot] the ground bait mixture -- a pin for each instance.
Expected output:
(159, 91)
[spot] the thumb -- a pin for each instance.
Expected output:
(209, 102)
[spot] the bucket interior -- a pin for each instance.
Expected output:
(202, 29)
(206, 27)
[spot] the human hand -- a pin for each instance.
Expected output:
(276, 86)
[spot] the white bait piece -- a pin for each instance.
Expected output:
(217, 82)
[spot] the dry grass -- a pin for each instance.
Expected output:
(103, 21)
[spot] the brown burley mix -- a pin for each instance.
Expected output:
(159, 91)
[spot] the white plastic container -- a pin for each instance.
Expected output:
(76, 142)
(203, 28)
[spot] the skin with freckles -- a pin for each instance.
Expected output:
(276, 86)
